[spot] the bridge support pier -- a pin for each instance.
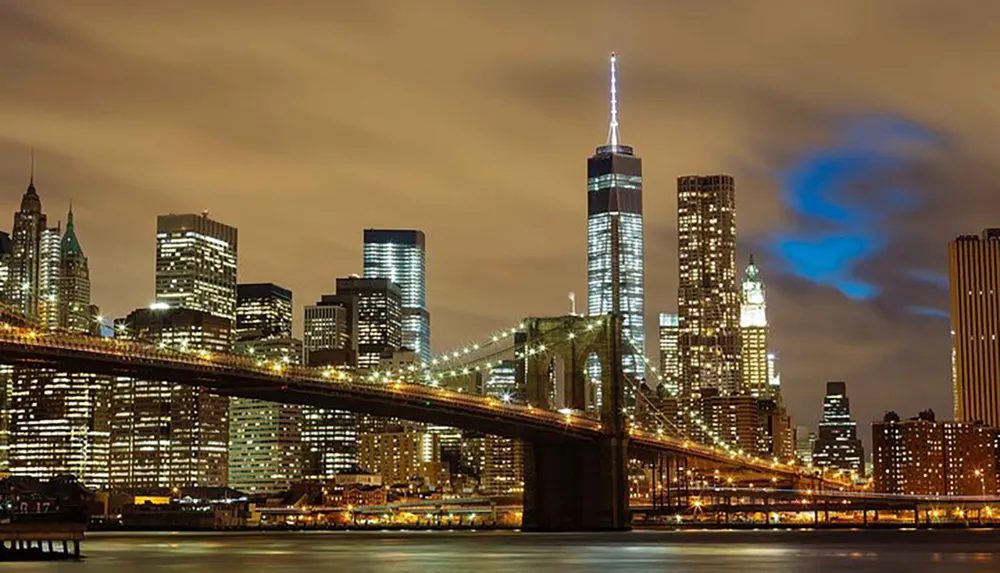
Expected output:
(576, 487)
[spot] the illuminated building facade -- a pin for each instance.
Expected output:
(165, 434)
(76, 314)
(922, 456)
(669, 353)
(379, 317)
(265, 438)
(708, 302)
(332, 324)
(401, 256)
(59, 424)
(330, 437)
(23, 287)
(805, 441)
(263, 310)
(754, 330)
(49, 271)
(615, 279)
(974, 278)
(6, 251)
(399, 454)
(196, 264)
(837, 445)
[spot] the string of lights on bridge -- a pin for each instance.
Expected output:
(340, 374)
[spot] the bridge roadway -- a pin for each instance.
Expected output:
(236, 375)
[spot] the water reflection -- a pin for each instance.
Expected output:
(494, 552)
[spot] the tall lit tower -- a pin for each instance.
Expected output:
(400, 255)
(75, 310)
(974, 279)
(614, 235)
(754, 330)
(708, 300)
(23, 287)
(196, 264)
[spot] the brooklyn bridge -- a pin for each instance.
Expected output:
(579, 435)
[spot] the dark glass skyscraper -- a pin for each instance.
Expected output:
(838, 446)
(614, 236)
(400, 255)
(263, 310)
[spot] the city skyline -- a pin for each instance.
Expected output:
(120, 180)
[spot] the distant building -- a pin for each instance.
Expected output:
(330, 437)
(837, 446)
(400, 255)
(379, 316)
(196, 264)
(974, 279)
(49, 275)
(754, 334)
(399, 454)
(6, 251)
(669, 353)
(30, 223)
(265, 438)
(922, 456)
(165, 434)
(708, 303)
(76, 313)
(734, 418)
(776, 436)
(60, 424)
(805, 440)
(51, 423)
(263, 311)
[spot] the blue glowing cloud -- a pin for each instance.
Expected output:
(843, 198)
(930, 311)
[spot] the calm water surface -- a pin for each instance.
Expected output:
(491, 552)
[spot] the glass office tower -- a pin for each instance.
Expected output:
(400, 255)
(614, 237)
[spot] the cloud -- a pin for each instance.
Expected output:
(862, 136)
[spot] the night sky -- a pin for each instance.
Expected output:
(862, 136)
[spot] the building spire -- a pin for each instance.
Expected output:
(31, 176)
(613, 137)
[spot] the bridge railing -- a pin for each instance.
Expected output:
(281, 373)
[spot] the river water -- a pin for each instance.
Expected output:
(968, 551)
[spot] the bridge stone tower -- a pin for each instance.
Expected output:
(576, 485)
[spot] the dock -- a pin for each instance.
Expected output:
(25, 541)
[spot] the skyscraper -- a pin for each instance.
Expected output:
(331, 324)
(401, 256)
(60, 424)
(754, 331)
(837, 445)
(614, 237)
(29, 225)
(379, 316)
(974, 278)
(265, 438)
(76, 314)
(669, 358)
(330, 437)
(49, 277)
(165, 434)
(708, 301)
(196, 264)
(263, 310)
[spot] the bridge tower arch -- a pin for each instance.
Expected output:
(576, 485)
